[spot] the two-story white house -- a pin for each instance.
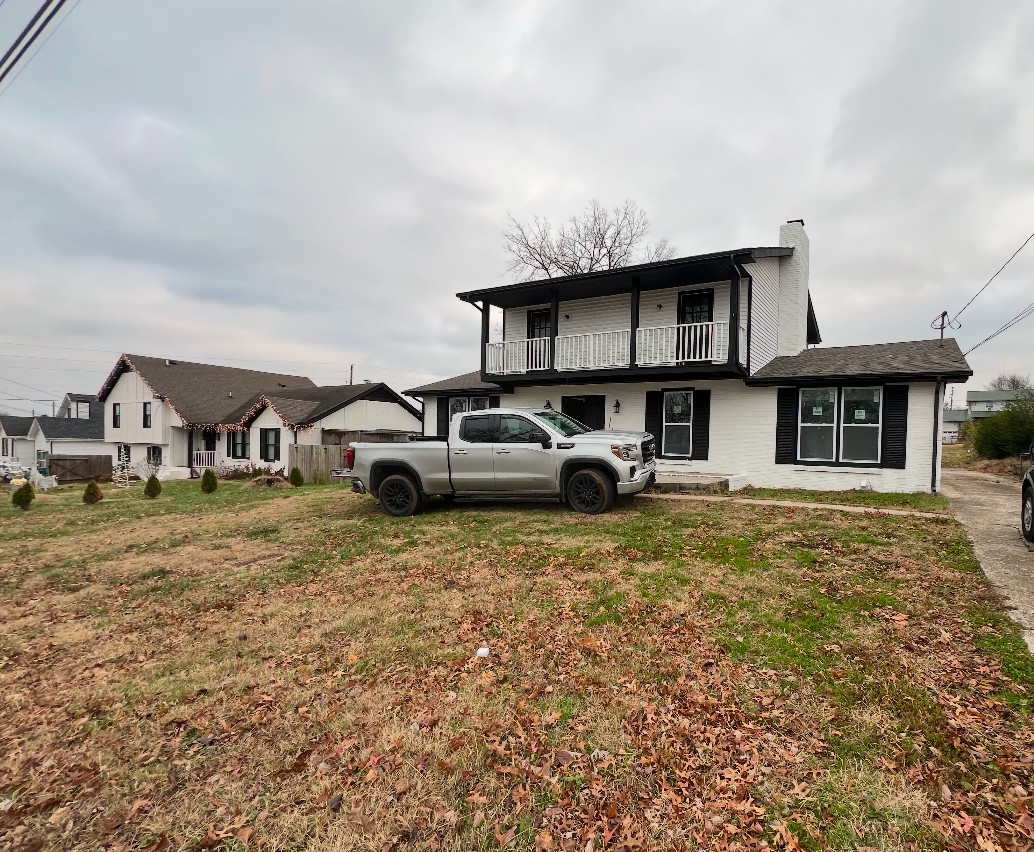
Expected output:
(187, 416)
(711, 355)
(981, 404)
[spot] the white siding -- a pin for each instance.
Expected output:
(80, 448)
(606, 313)
(131, 393)
(268, 419)
(515, 322)
(744, 308)
(368, 414)
(742, 438)
(764, 312)
(431, 415)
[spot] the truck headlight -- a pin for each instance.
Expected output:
(625, 452)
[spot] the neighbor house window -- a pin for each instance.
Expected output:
(116, 415)
(457, 405)
(42, 457)
(269, 445)
(677, 427)
(860, 425)
(82, 410)
(147, 415)
(239, 445)
(857, 420)
(154, 455)
(817, 435)
(3, 446)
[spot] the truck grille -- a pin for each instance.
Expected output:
(648, 450)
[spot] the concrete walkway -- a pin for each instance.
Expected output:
(792, 504)
(989, 508)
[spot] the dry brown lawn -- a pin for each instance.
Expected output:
(295, 670)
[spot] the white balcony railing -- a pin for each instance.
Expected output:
(204, 458)
(599, 349)
(678, 344)
(517, 356)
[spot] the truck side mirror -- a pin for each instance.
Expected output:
(546, 442)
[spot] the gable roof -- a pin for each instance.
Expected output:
(954, 415)
(57, 428)
(940, 360)
(81, 397)
(201, 394)
(300, 407)
(465, 383)
(16, 427)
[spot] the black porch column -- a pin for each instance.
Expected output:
(486, 311)
(554, 321)
(633, 321)
(190, 450)
(734, 316)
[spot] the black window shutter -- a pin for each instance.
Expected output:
(701, 424)
(654, 410)
(229, 445)
(276, 445)
(443, 415)
(895, 425)
(493, 402)
(786, 426)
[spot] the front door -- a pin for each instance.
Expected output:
(695, 307)
(522, 464)
(590, 410)
(471, 456)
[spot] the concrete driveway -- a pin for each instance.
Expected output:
(989, 508)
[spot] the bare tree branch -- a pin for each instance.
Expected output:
(595, 239)
(1010, 381)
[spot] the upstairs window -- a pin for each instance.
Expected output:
(82, 410)
(539, 324)
(116, 415)
(147, 415)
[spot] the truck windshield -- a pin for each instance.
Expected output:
(566, 426)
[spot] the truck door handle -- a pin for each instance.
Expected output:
(459, 452)
(502, 452)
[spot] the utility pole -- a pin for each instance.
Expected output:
(351, 373)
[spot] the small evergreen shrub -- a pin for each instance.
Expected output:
(153, 487)
(23, 497)
(296, 479)
(208, 482)
(93, 493)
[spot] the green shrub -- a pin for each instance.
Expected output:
(23, 497)
(93, 493)
(208, 482)
(1007, 433)
(153, 487)
(296, 479)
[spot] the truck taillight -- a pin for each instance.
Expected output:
(350, 458)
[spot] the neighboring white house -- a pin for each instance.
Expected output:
(80, 406)
(187, 416)
(709, 354)
(15, 443)
(68, 436)
(951, 420)
(981, 404)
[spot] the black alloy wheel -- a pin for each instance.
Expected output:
(399, 495)
(590, 492)
(1027, 514)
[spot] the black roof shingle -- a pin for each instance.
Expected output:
(465, 383)
(16, 427)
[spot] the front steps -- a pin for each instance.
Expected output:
(690, 483)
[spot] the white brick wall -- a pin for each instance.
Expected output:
(793, 290)
(742, 441)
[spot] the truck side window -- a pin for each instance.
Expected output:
(517, 430)
(478, 430)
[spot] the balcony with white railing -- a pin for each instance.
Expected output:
(517, 356)
(681, 344)
(204, 459)
(595, 351)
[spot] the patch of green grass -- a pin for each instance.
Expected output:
(999, 637)
(605, 606)
(918, 501)
(661, 584)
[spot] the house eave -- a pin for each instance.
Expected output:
(857, 378)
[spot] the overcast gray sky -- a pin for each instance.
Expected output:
(312, 183)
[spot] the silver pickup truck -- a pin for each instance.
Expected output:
(506, 452)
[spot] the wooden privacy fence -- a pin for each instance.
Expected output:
(315, 462)
(79, 468)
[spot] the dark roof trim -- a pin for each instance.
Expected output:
(858, 378)
(743, 255)
(814, 335)
(313, 417)
(468, 384)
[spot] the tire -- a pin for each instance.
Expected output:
(590, 492)
(399, 496)
(1027, 514)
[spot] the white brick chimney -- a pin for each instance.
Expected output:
(793, 289)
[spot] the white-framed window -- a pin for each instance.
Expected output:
(154, 455)
(816, 424)
(82, 410)
(458, 405)
(42, 459)
(3, 447)
(239, 444)
(861, 424)
(677, 424)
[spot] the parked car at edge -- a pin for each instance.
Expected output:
(1027, 501)
(507, 452)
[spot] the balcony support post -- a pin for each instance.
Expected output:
(554, 321)
(734, 315)
(485, 309)
(633, 321)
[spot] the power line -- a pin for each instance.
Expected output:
(1022, 315)
(30, 387)
(25, 32)
(43, 43)
(993, 277)
(32, 38)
